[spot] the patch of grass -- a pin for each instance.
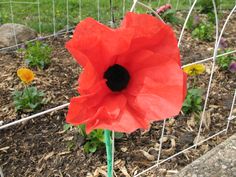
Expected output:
(28, 14)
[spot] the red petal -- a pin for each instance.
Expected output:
(145, 25)
(153, 34)
(80, 110)
(160, 67)
(83, 108)
(128, 121)
(108, 111)
(114, 104)
(159, 90)
(73, 47)
(184, 85)
(168, 45)
(98, 44)
(90, 80)
(141, 59)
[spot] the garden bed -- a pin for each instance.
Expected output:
(41, 147)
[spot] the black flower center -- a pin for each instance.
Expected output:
(117, 77)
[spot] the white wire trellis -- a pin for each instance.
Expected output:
(212, 59)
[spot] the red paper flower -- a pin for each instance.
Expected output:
(132, 75)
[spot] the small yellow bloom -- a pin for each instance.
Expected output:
(195, 69)
(25, 75)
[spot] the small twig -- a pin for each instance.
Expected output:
(4, 148)
(1, 173)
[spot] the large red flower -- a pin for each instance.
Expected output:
(132, 75)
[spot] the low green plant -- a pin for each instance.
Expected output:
(170, 16)
(224, 61)
(206, 6)
(205, 31)
(211, 18)
(67, 127)
(28, 100)
(93, 140)
(193, 22)
(37, 54)
(193, 101)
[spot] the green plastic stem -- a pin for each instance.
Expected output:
(109, 152)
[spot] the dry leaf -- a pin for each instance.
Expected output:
(147, 155)
(205, 147)
(201, 138)
(208, 68)
(207, 120)
(49, 155)
(69, 138)
(171, 150)
(117, 162)
(134, 170)
(173, 143)
(172, 171)
(234, 111)
(98, 172)
(164, 139)
(191, 122)
(63, 153)
(124, 149)
(4, 149)
(121, 165)
(171, 122)
(145, 130)
(214, 106)
(124, 171)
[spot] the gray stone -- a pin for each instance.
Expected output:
(7, 34)
(218, 162)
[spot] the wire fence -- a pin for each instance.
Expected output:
(59, 17)
(124, 6)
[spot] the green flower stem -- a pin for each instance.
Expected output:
(109, 152)
(28, 93)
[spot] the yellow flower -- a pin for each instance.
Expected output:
(195, 69)
(25, 75)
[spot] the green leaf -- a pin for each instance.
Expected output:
(33, 106)
(67, 127)
(119, 135)
(90, 147)
(81, 129)
(70, 145)
(28, 99)
(193, 101)
(37, 54)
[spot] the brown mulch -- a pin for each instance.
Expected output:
(40, 147)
